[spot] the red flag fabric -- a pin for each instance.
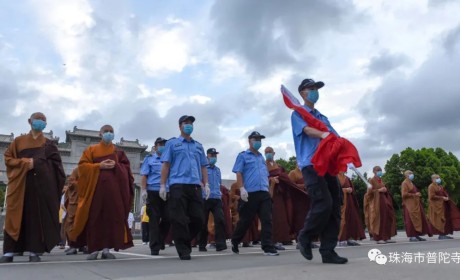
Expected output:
(333, 153)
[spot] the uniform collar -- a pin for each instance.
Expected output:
(314, 111)
(182, 139)
(248, 151)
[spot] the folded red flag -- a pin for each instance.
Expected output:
(333, 153)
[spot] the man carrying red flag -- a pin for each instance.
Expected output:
(323, 219)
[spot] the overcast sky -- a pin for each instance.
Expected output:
(391, 70)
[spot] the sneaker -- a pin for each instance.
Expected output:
(270, 251)
(390, 241)
(92, 256)
(212, 246)
(342, 244)
(352, 243)
(221, 247)
(381, 242)
(6, 259)
(34, 258)
(279, 247)
(246, 245)
(71, 251)
(413, 239)
(144, 243)
(202, 249)
(444, 237)
(334, 258)
(107, 256)
(235, 248)
(420, 239)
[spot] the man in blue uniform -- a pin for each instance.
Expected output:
(156, 206)
(323, 219)
(252, 180)
(184, 168)
(213, 205)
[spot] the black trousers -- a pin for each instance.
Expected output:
(145, 232)
(259, 203)
(214, 206)
(158, 220)
(186, 212)
(323, 218)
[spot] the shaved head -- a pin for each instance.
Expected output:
(269, 150)
(106, 128)
(38, 116)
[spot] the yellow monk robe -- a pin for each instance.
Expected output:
(104, 199)
(414, 216)
(444, 216)
(381, 214)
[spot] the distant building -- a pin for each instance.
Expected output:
(71, 150)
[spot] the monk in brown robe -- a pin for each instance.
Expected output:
(71, 204)
(300, 199)
(382, 220)
(105, 195)
(282, 208)
(443, 214)
(227, 212)
(35, 182)
(351, 226)
(413, 213)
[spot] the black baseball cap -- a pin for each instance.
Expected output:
(185, 117)
(310, 83)
(212, 151)
(256, 134)
(160, 140)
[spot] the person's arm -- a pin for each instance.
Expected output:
(315, 133)
(144, 182)
(164, 173)
(239, 180)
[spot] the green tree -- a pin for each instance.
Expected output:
(360, 188)
(288, 165)
(423, 163)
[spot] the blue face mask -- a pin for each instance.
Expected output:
(38, 125)
(411, 177)
(108, 137)
(256, 145)
(313, 96)
(212, 160)
(438, 181)
(269, 156)
(188, 129)
(160, 149)
(379, 174)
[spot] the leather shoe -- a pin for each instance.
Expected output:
(221, 248)
(202, 249)
(154, 252)
(5, 259)
(334, 258)
(185, 257)
(34, 258)
(305, 250)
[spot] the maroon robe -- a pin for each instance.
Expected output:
(351, 223)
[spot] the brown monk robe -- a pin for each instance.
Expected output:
(300, 200)
(35, 182)
(282, 206)
(443, 214)
(71, 204)
(252, 234)
(351, 226)
(105, 195)
(382, 220)
(413, 213)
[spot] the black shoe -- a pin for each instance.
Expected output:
(202, 249)
(270, 251)
(221, 248)
(162, 247)
(5, 259)
(352, 243)
(305, 251)
(34, 258)
(154, 252)
(246, 245)
(185, 257)
(287, 243)
(255, 242)
(71, 251)
(334, 258)
(108, 256)
(235, 248)
(279, 247)
(19, 254)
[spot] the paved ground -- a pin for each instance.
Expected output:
(135, 263)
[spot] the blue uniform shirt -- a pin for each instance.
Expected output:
(254, 170)
(215, 181)
(151, 167)
(306, 146)
(186, 159)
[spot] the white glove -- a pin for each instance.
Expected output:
(163, 192)
(207, 191)
(325, 134)
(144, 194)
(351, 165)
(244, 194)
